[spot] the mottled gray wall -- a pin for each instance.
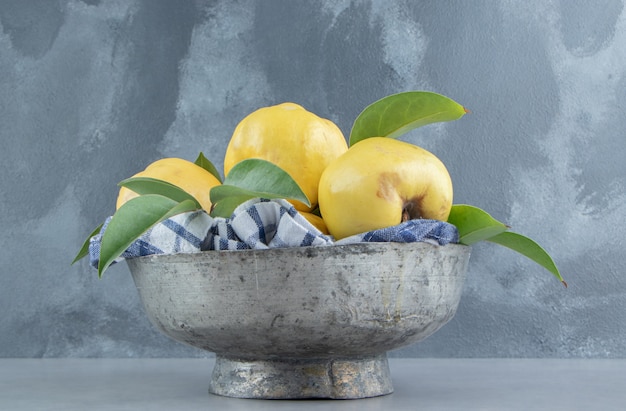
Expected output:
(92, 91)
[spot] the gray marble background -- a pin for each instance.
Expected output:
(92, 91)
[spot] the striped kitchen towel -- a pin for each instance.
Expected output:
(261, 224)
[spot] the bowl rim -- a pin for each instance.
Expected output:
(308, 249)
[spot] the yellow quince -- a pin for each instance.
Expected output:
(182, 173)
(294, 139)
(380, 182)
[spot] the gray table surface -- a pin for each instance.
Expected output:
(420, 384)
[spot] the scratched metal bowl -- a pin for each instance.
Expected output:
(310, 322)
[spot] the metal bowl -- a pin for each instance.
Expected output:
(309, 322)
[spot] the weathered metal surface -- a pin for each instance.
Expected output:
(285, 322)
(338, 378)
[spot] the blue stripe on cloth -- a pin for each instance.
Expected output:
(230, 233)
(292, 211)
(141, 247)
(223, 244)
(415, 230)
(182, 233)
(307, 240)
(254, 214)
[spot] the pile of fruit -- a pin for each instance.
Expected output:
(342, 189)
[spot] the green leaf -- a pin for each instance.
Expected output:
(226, 198)
(133, 219)
(254, 178)
(399, 113)
(316, 211)
(205, 163)
(260, 175)
(84, 250)
(226, 206)
(149, 185)
(528, 248)
(226, 191)
(474, 224)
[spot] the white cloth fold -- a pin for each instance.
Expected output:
(261, 224)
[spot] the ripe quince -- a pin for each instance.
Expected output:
(294, 139)
(182, 173)
(380, 182)
(316, 221)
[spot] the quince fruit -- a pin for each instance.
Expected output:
(294, 139)
(316, 221)
(182, 173)
(380, 182)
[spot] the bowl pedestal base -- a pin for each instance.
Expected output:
(293, 378)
